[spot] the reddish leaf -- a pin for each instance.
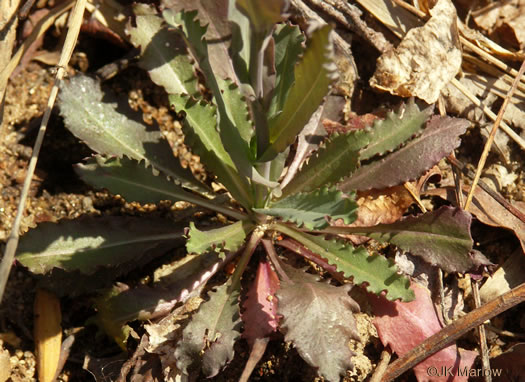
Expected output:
(260, 315)
(403, 326)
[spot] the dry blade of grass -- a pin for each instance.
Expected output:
(75, 21)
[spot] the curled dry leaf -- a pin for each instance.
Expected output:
(403, 326)
(378, 207)
(427, 58)
(505, 20)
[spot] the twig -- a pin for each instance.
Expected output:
(492, 135)
(454, 331)
(340, 43)
(358, 26)
(441, 288)
(483, 349)
(272, 254)
(75, 22)
(382, 365)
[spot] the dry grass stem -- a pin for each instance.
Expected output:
(75, 22)
(492, 135)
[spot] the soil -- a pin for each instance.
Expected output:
(56, 193)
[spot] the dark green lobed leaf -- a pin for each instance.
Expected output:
(337, 158)
(288, 48)
(163, 52)
(227, 238)
(129, 178)
(201, 135)
(388, 134)
(311, 209)
(378, 272)
(313, 76)
(213, 331)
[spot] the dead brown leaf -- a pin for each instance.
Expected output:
(505, 20)
(427, 58)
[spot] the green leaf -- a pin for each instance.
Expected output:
(380, 273)
(313, 76)
(213, 14)
(201, 135)
(240, 47)
(396, 129)
(89, 243)
(131, 179)
(440, 237)
(262, 14)
(227, 97)
(338, 157)
(288, 48)
(138, 183)
(311, 209)
(108, 131)
(439, 139)
(229, 238)
(122, 304)
(317, 317)
(163, 53)
(209, 337)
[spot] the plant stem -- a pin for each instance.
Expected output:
(214, 207)
(253, 242)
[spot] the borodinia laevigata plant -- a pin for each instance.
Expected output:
(264, 86)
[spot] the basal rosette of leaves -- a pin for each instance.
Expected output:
(243, 134)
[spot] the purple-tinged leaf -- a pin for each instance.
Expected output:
(260, 307)
(86, 244)
(440, 237)
(122, 304)
(318, 319)
(440, 138)
(209, 337)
